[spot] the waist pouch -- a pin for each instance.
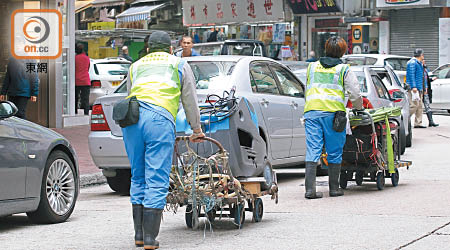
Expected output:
(126, 112)
(340, 121)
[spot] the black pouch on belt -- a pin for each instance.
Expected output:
(126, 112)
(340, 121)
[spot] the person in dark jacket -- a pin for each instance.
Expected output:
(415, 79)
(82, 79)
(426, 97)
(20, 85)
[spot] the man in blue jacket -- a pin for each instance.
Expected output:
(415, 79)
(20, 85)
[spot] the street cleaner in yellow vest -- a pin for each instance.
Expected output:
(325, 115)
(158, 80)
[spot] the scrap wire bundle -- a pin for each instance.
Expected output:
(203, 181)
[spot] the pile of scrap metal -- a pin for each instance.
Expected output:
(208, 180)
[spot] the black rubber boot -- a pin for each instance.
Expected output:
(430, 120)
(151, 223)
(138, 211)
(334, 170)
(310, 181)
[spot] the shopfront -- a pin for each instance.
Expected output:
(55, 75)
(262, 20)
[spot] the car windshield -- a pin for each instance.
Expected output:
(244, 49)
(442, 72)
(111, 68)
(362, 81)
(397, 63)
(212, 75)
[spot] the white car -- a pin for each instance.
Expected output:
(441, 88)
(106, 75)
(398, 63)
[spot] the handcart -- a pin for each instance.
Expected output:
(208, 188)
(372, 151)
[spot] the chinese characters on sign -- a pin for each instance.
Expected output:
(232, 11)
(36, 67)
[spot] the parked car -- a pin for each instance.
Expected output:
(272, 90)
(38, 170)
(243, 47)
(398, 63)
(400, 98)
(373, 88)
(106, 75)
(441, 88)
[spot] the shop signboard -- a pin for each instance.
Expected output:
(279, 33)
(101, 26)
(444, 40)
(313, 6)
(400, 3)
(210, 12)
(357, 33)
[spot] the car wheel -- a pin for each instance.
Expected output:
(409, 136)
(121, 182)
(448, 111)
(402, 139)
(59, 190)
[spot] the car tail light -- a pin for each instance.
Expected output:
(96, 84)
(98, 119)
(397, 97)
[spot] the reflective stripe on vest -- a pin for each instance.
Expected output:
(325, 87)
(155, 79)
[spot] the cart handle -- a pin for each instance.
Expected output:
(186, 138)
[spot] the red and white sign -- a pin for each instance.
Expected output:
(206, 12)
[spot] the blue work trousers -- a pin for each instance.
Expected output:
(149, 145)
(319, 130)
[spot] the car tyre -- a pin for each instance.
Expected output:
(402, 139)
(409, 136)
(121, 182)
(59, 190)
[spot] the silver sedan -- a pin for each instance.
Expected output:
(274, 95)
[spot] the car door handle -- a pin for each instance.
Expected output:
(294, 104)
(264, 102)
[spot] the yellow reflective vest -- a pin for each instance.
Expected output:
(155, 80)
(325, 88)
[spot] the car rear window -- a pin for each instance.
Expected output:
(358, 61)
(111, 68)
(208, 50)
(362, 81)
(244, 49)
(212, 75)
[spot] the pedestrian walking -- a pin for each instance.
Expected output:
(125, 54)
(187, 44)
(20, 85)
(158, 80)
(415, 79)
(327, 81)
(426, 96)
(82, 79)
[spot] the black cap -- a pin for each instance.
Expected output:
(159, 38)
(418, 52)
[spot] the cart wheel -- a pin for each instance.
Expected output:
(191, 219)
(380, 180)
(395, 178)
(343, 180)
(258, 210)
(268, 175)
(239, 215)
(359, 177)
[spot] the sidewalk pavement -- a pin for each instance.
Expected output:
(78, 137)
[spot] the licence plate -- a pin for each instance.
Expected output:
(115, 83)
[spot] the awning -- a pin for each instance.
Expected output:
(139, 13)
(82, 5)
(107, 3)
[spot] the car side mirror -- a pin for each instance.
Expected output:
(7, 109)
